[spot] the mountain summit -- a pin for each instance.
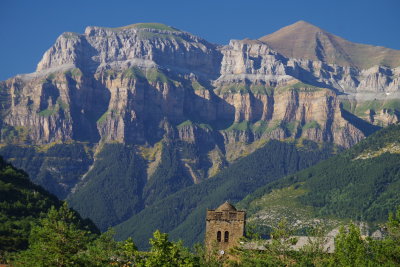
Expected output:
(306, 41)
(117, 119)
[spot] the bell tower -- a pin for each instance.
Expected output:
(224, 228)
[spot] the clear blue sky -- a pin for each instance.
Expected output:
(29, 27)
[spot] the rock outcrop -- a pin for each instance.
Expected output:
(145, 82)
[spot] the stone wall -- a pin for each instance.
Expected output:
(231, 222)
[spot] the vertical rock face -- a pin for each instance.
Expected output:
(119, 48)
(120, 84)
(141, 83)
(65, 53)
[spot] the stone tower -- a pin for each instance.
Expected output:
(224, 228)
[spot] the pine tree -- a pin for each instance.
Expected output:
(55, 241)
(351, 249)
(167, 253)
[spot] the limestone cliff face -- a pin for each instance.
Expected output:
(57, 107)
(257, 66)
(147, 85)
(140, 83)
(255, 61)
(101, 49)
(38, 110)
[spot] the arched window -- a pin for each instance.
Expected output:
(219, 236)
(226, 236)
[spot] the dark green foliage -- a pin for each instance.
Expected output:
(276, 252)
(346, 186)
(117, 186)
(167, 253)
(111, 192)
(169, 177)
(21, 203)
(105, 251)
(351, 249)
(55, 240)
(58, 240)
(388, 251)
(182, 214)
(359, 189)
(50, 166)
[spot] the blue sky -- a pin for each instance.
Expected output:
(29, 27)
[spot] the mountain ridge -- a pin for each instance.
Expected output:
(361, 186)
(304, 40)
(177, 109)
(22, 203)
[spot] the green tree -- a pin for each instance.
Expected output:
(387, 251)
(101, 251)
(55, 241)
(275, 252)
(314, 253)
(207, 258)
(167, 253)
(106, 251)
(393, 239)
(351, 249)
(281, 242)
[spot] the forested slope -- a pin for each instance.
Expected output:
(118, 186)
(361, 183)
(183, 213)
(21, 204)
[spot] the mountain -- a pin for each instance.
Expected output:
(21, 204)
(306, 41)
(360, 184)
(124, 84)
(122, 118)
(182, 214)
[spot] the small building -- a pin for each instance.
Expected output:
(224, 228)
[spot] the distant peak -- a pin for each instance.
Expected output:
(301, 24)
(303, 40)
(300, 29)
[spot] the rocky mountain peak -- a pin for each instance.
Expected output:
(122, 84)
(134, 28)
(301, 25)
(146, 45)
(303, 40)
(144, 83)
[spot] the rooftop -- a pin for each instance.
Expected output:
(226, 207)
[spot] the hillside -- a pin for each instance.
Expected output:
(116, 120)
(360, 184)
(183, 214)
(114, 190)
(21, 204)
(304, 40)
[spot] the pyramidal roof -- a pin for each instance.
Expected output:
(226, 207)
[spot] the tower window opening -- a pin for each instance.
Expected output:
(226, 236)
(219, 236)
